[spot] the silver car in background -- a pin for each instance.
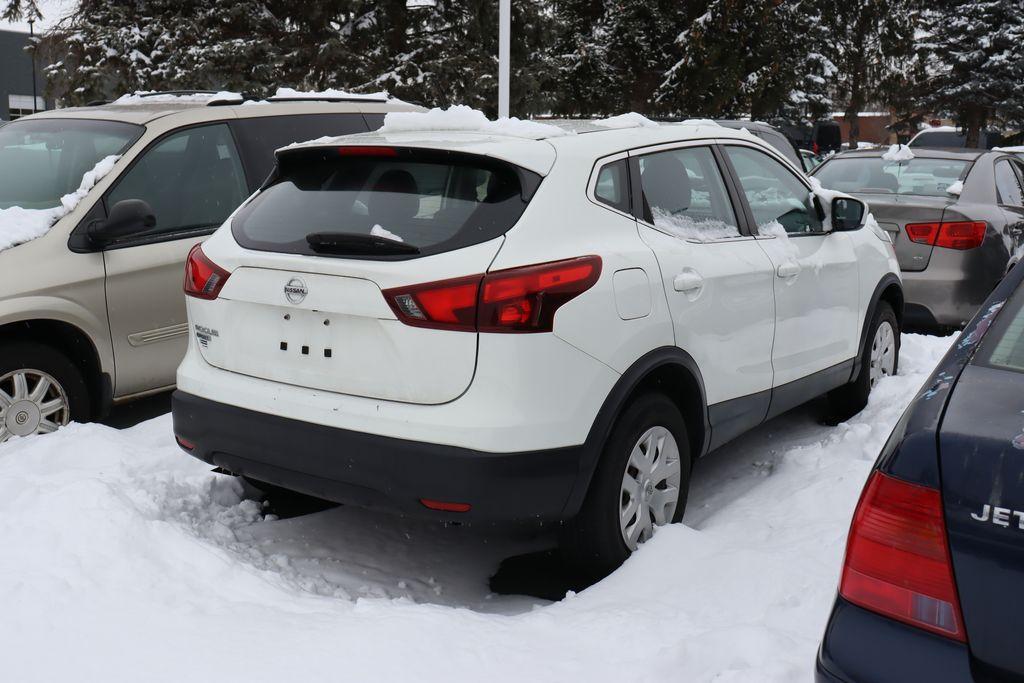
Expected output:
(956, 218)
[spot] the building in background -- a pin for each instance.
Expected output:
(874, 126)
(16, 78)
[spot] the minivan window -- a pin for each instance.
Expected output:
(192, 179)
(41, 160)
(427, 201)
(875, 175)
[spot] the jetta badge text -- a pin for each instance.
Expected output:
(295, 290)
(1000, 516)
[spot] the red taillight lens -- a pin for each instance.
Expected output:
(514, 300)
(897, 557)
(952, 235)
(367, 151)
(445, 506)
(203, 278)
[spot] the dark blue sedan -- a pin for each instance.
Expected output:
(932, 587)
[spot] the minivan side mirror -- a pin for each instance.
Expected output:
(127, 217)
(848, 213)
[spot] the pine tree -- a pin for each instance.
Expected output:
(582, 74)
(974, 58)
(16, 10)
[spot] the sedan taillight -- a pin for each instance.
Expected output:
(950, 235)
(203, 278)
(521, 299)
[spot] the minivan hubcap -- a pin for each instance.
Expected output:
(883, 352)
(31, 402)
(650, 486)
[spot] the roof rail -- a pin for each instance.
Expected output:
(327, 98)
(176, 93)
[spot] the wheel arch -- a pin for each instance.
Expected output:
(668, 370)
(890, 290)
(74, 343)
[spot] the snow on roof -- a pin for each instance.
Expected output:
(460, 117)
(1018, 149)
(157, 97)
(898, 153)
(18, 225)
(629, 120)
(329, 94)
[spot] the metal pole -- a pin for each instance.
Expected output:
(32, 35)
(504, 29)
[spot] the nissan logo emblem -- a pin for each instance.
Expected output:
(295, 290)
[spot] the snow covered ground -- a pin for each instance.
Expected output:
(124, 560)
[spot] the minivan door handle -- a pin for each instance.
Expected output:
(788, 269)
(687, 281)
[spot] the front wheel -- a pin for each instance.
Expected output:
(879, 358)
(640, 483)
(40, 390)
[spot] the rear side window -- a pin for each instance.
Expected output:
(427, 201)
(259, 137)
(1008, 184)
(612, 187)
(684, 194)
(1003, 346)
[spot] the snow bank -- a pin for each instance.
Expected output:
(630, 120)
(460, 117)
(330, 93)
(125, 559)
(956, 188)
(898, 153)
(156, 97)
(18, 225)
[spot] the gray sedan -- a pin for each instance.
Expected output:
(955, 216)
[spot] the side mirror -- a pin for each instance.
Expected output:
(127, 217)
(847, 213)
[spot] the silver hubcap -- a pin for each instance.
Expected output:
(883, 352)
(650, 486)
(31, 402)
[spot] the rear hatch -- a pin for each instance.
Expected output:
(305, 302)
(893, 212)
(982, 464)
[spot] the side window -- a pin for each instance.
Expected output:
(684, 194)
(259, 136)
(612, 187)
(776, 196)
(1008, 184)
(193, 179)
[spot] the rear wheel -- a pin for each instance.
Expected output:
(879, 358)
(641, 483)
(40, 390)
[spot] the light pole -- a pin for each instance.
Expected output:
(32, 35)
(504, 29)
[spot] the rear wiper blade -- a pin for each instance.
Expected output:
(357, 244)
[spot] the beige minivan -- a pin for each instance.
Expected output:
(91, 310)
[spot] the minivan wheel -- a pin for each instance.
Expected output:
(879, 358)
(640, 483)
(40, 391)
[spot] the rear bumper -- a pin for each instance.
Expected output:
(953, 286)
(377, 471)
(863, 647)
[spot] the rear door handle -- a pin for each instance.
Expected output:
(788, 269)
(687, 281)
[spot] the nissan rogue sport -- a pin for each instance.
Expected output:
(526, 322)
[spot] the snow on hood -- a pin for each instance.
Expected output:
(18, 225)
(156, 97)
(330, 93)
(460, 117)
(630, 120)
(898, 153)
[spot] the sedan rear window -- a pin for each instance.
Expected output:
(874, 175)
(383, 202)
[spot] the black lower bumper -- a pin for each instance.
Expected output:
(864, 647)
(377, 471)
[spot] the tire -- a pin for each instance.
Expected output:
(594, 544)
(850, 399)
(35, 362)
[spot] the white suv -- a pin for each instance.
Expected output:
(542, 322)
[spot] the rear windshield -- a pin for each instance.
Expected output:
(433, 201)
(874, 175)
(1003, 346)
(939, 139)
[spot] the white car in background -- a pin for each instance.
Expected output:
(526, 322)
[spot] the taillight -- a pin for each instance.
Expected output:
(515, 300)
(203, 278)
(367, 151)
(951, 235)
(897, 557)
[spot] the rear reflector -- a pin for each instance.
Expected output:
(515, 300)
(959, 235)
(444, 506)
(203, 278)
(185, 443)
(897, 557)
